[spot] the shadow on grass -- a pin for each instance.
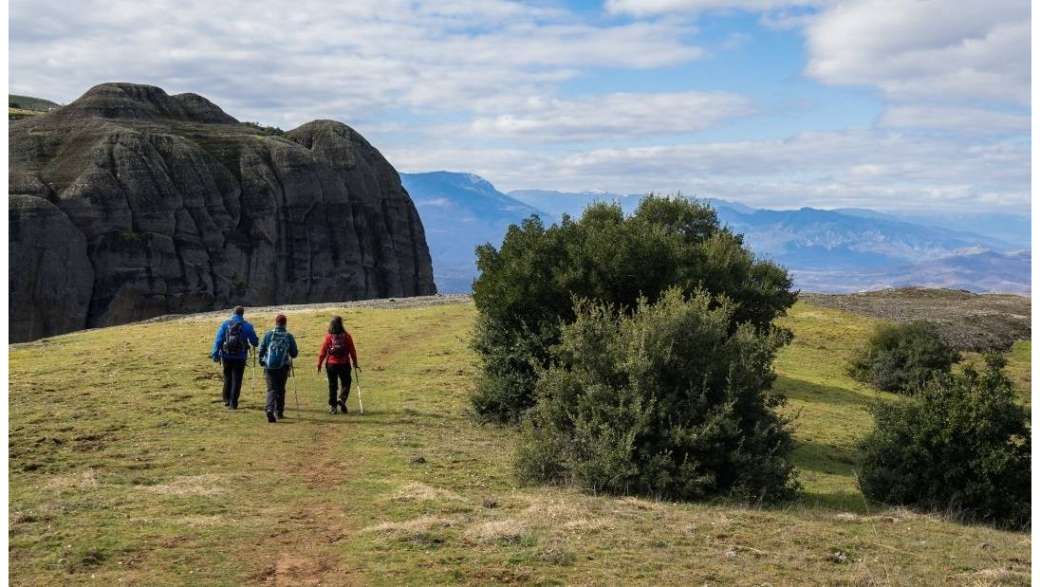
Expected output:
(800, 389)
(826, 458)
(427, 420)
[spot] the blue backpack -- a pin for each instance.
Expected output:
(277, 350)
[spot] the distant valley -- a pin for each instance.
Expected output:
(826, 250)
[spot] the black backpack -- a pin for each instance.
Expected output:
(235, 341)
(338, 346)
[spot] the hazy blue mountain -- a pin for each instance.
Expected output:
(573, 203)
(851, 249)
(986, 271)
(1011, 228)
(459, 212)
(812, 238)
(825, 250)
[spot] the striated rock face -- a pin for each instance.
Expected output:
(130, 203)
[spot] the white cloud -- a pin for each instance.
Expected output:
(475, 85)
(969, 120)
(614, 116)
(875, 169)
(926, 49)
(651, 7)
(285, 63)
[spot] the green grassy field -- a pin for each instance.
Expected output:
(126, 469)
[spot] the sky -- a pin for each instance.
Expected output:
(903, 105)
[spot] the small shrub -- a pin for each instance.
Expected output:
(266, 130)
(668, 401)
(960, 444)
(902, 357)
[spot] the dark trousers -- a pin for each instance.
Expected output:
(234, 370)
(276, 379)
(340, 374)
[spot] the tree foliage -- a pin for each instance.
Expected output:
(525, 289)
(903, 357)
(960, 444)
(669, 401)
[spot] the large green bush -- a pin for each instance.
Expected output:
(668, 401)
(902, 357)
(960, 444)
(525, 289)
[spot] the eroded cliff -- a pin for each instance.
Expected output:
(129, 203)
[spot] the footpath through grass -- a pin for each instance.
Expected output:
(126, 469)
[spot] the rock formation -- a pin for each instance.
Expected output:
(129, 203)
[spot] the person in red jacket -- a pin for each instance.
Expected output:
(338, 354)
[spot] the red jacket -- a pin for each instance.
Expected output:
(346, 359)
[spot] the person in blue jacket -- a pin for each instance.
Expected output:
(231, 348)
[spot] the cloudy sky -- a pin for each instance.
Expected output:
(887, 104)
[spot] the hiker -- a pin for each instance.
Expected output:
(338, 353)
(277, 351)
(231, 348)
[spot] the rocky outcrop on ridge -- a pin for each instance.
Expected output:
(131, 203)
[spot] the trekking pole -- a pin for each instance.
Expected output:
(292, 371)
(357, 373)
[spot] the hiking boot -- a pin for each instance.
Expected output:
(332, 409)
(271, 418)
(343, 406)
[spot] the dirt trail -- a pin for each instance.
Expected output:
(304, 544)
(305, 548)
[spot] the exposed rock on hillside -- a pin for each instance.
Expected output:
(967, 321)
(129, 203)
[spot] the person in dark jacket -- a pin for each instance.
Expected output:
(338, 353)
(276, 353)
(231, 349)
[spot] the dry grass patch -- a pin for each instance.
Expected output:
(412, 527)
(83, 480)
(190, 485)
(202, 521)
(504, 530)
(423, 492)
(999, 576)
(588, 525)
(553, 511)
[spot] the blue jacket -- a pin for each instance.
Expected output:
(218, 343)
(262, 353)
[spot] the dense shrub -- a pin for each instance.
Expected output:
(902, 357)
(525, 288)
(960, 444)
(669, 401)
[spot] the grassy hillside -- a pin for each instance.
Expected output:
(125, 468)
(23, 106)
(31, 103)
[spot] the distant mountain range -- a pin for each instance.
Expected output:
(825, 250)
(461, 211)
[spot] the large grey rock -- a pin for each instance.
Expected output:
(130, 203)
